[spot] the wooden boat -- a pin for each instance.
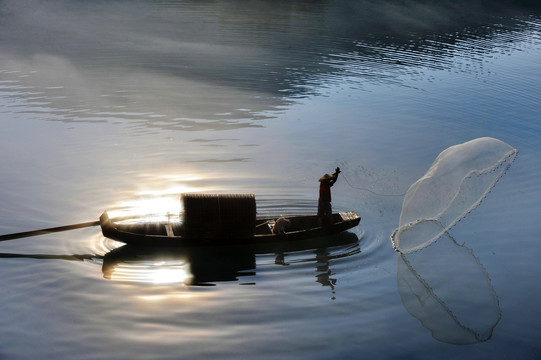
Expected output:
(223, 220)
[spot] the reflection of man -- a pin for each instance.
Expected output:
(324, 208)
(323, 270)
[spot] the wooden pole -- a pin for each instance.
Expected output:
(55, 229)
(48, 230)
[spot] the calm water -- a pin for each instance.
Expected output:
(123, 105)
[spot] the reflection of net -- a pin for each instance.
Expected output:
(446, 288)
(455, 184)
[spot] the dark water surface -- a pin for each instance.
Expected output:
(122, 105)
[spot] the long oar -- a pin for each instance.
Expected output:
(48, 231)
(55, 229)
(75, 257)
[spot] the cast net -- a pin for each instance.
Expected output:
(455, 184)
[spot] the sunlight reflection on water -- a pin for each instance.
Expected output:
(154, 272)
(150, 209)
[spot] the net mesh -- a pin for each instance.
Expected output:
(455, 184)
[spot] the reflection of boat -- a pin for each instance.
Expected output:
(223, 220)
(196, 265)
(176, 264)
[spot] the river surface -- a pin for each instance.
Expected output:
(123, 105)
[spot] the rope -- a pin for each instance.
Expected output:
(366, 189)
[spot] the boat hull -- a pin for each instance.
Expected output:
(164, 234)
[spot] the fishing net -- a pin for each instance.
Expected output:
(455, 184)
(444, 285)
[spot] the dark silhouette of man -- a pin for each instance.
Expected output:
(324, 207)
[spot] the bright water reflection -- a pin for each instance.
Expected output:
(223, 76)
(153, 272)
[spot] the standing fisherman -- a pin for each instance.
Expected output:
(324, 208)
